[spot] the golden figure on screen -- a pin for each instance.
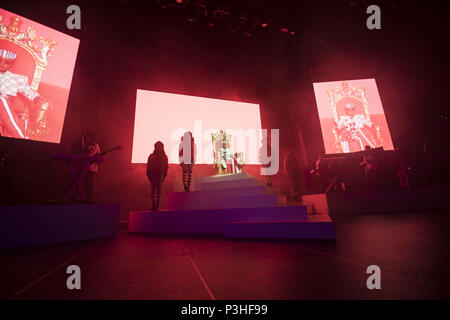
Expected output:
(223, 160)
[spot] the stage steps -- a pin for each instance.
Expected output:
(226, 181)
(242, 191)
(236, 205)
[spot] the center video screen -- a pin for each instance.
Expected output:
(166, 117)
(36, 69)
(351, 116)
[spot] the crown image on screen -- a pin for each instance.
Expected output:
(38, 47)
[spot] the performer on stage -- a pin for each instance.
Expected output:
(157, 166)
(292, 170)
(187, 166)
(86, 145)
(354, 131)
(14, 93)
(370, 168)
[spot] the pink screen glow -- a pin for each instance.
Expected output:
(351, 116)
(16, 119)
(167, 116)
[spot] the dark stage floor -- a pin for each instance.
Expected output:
(412, 250)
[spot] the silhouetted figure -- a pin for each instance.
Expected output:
(187, 166)
(370, 168)
(400, 159)
(292, 170)
(320, 175)
(86, 145)
(157, 166)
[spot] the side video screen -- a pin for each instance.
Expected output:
(36, 69)
(351, 116)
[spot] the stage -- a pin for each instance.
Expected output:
(33, 225)
(379, 201)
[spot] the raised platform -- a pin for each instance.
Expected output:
(32, 225)
(226, 191)
(225, 181)
(279, 222)
(231, 205)
(382, 201)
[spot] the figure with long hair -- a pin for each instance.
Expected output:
(187, 153)
(157, 166)
(86, 145)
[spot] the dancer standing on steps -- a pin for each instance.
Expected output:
(157, 166)
(187, 155)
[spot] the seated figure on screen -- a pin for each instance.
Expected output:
(226, 158)
(354, 130)
(22, 110)
(353, 127)
(223, 156)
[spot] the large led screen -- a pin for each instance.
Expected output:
(351, 116)
(166, 117)
(36, 68)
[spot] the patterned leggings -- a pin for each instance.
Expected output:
(187, 175)
(156, 181)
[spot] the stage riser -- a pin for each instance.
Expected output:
(378, 201)
(206, 199)
(281, 230)
(146, 222)
(243, 197)
(225, 182)
(23, 226)
(267, 200)
(208, 221)
(230, 184)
